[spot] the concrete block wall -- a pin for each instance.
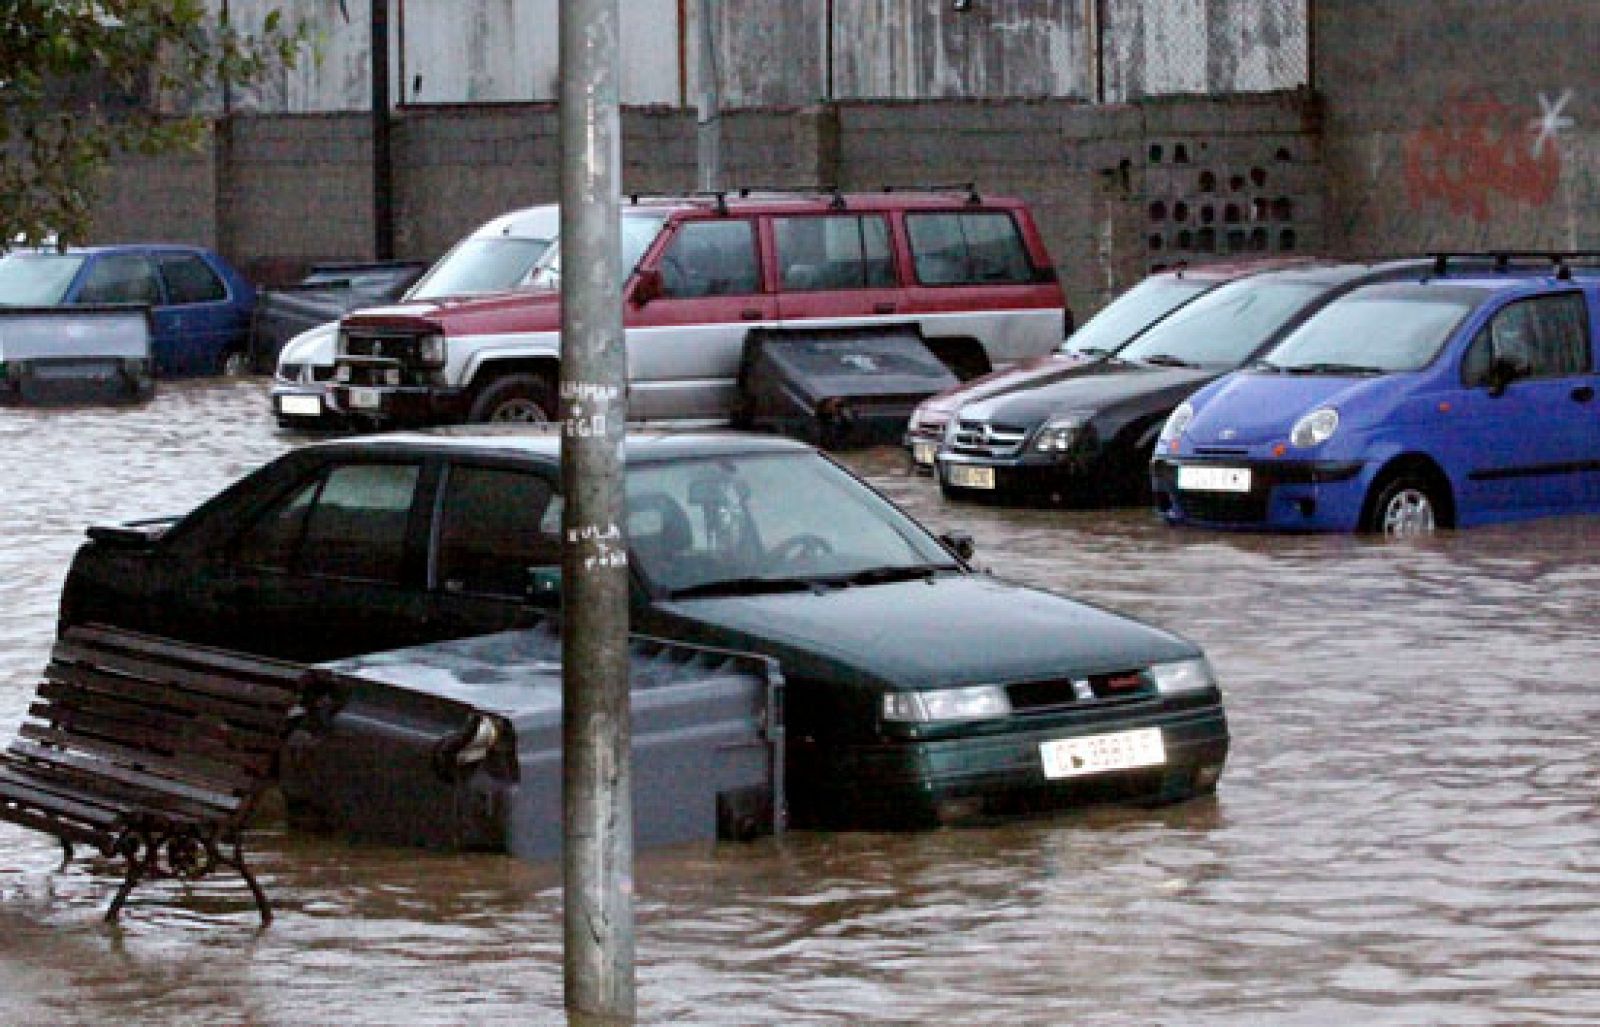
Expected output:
(1460, 124)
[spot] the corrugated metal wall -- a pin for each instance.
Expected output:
(802, 51)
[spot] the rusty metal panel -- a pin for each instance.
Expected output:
(1203, 46)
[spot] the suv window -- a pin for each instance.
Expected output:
(967, 249)
(190, 279)
(711, 258)
(120, 278)
(495, 525)
(349, 523)
(1543, 337)
(834, 252)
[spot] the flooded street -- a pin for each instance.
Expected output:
(1408, 830)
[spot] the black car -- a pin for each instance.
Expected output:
(918, 691)
(1087, 436)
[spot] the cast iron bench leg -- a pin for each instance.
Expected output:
(138, 866)
(255, 889)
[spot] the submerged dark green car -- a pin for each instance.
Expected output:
(918, 690)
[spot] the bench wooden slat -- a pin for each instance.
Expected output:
(83, 679)
(110, 647)
(35, 794)
(224, 777)
(157, 729)
(206, 680)
(124, 784)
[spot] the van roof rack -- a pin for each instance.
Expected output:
(1561, 261)
(970, 188)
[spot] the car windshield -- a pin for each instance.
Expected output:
(768, 522)
(1375, 330)
(638, 232)
(481, 265)
(37, 279)
(1225, 326)
(1132, 312)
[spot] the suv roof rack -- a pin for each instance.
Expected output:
(833, 193)
(970, 188)
(1561, 261)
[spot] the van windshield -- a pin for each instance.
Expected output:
(1221, 329)
(1379, 329)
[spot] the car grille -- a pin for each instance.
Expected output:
(1221, 451)
(395, 345)
(979, 438)
(1058, 693)
(1224, 507)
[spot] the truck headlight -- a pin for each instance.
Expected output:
(1059, 433)
(1183, 677)
(975, 702)
(432, 351)
(1315, 428)
(1177, 421)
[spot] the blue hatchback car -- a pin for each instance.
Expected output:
(200, 307)
(1463, 398)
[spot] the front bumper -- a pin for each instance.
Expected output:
(402, 405)
(306, 407)
(1283, 495)
(1027, 475)
(926, 782)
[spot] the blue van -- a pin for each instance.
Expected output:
(1463, 398)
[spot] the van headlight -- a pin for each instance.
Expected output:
(1060, 433)
(1315, 428)
(1183, 677)
(975, 702)
(1177, 422)
(432, 351)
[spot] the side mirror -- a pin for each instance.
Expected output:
(544, 587)
(960, 544)
(1504, 370)
(646, 286)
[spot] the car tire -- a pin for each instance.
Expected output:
(515, 398)
(1404, 506)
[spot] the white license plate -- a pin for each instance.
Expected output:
(922, 453)
(365, 399)
(1097, 754)
(300, 406)
(964, 476)
(1214, 479)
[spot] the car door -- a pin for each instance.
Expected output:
(197, 314)
(836, 270)
(1527, 424)
(496, 557)
(686, 328)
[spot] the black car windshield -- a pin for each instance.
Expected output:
(638, 232)
(767, 522)
(1132, 312)
(37, 279)
(1375, 330)
(1225, 326)
(481, 265)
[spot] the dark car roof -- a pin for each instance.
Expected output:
(543, 443)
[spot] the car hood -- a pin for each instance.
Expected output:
(312, 346)
(1102, 386)
(1022, 375)
(467, 315)
(1247, 408)
(953, 629)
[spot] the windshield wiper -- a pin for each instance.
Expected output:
(743, 587)
(1265, 365)
(1330, 368)
(1168, 360)
(892, 572)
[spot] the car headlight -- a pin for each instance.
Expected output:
(1183, 677)
(1315, 428)
(1177, 422)
(975, 702)
(1059, 433)
(432, 351)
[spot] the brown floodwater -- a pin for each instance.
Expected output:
(1408, 830)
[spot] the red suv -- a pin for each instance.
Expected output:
(970, 271)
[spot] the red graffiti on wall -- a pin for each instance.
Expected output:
(1477, 151)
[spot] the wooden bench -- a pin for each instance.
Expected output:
(152, 750)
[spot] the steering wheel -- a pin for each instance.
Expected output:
(802, 548)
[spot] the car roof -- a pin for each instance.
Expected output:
(127, 247)
(540, 222)
(819, 201)
(543, 443)
(1227, 270)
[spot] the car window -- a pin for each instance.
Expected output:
(120, 278)
(349, 523)
(777, 516)
(1543, 337)
(711, 258)
(495, 525)
(1133, 311)
(1226, 326)
(37, 279)
(481, 265)
(190, 279)
(833, 252)
(967, 249)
